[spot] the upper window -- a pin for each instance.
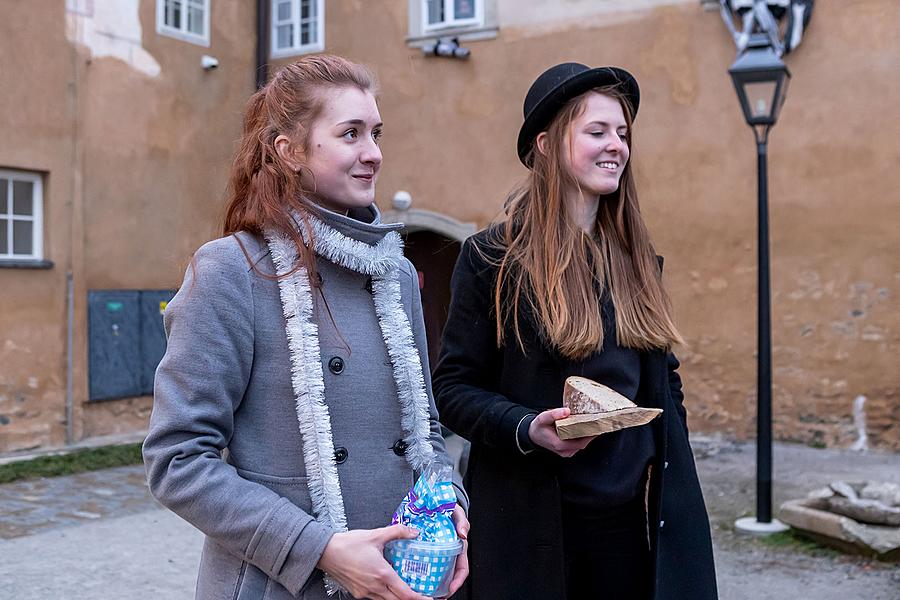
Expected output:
(440, 14)
(21, 216)
(186, 20)
(298, 27)
(468, 20)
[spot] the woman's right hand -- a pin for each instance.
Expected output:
(355, 560)
(542, 432)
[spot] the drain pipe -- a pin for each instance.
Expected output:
(262, 43)
(70, 318)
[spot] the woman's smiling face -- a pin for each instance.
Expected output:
(342, 158)
(597, 149)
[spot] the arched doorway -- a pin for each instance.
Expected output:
(434, 256)
(432, 242)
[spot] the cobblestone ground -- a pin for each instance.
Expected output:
(29, 507)
(101, 536)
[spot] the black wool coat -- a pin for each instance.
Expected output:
(483, 392)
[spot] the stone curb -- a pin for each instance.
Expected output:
(94, 442)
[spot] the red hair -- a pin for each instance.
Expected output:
(264, 192)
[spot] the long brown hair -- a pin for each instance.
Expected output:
(560, 271)
(263, 190)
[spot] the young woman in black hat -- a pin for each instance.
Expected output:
(568, 283)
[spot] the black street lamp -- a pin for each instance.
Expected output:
(761, 80)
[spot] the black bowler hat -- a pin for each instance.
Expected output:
(557, 85)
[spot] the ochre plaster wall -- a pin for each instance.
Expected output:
(156, 160)
(37, 123)
(136, 166)
(833, 157)
(136, 161)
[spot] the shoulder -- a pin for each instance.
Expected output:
(230, 254)
(408, 269)
(490, 237)
(484, 250)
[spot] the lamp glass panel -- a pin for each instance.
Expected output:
(760, 97)
(4, 236)
(782, 94)
(4, 185)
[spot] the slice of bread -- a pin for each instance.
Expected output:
(597, 409)
(586, 397)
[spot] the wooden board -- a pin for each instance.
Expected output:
(597, 424)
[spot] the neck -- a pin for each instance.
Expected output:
(584, 210)
(341, 210)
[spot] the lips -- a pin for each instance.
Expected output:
(364, 176)
(608, 165)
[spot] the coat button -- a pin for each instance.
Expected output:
(666, 465)
(368, 286)
(340, 455)
(336, 365)
(662, 524)
(319, 279)
(400, 447)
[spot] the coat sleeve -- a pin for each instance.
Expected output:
(437, 437)
(675, 389)
(674, 378)
(199, 385)
(466, 379)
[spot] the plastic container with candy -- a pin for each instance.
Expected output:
(427, 563)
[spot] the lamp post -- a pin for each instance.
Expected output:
(761, 80)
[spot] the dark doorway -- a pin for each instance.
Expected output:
(434, 257)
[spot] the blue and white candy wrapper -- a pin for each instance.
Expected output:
(427, 563)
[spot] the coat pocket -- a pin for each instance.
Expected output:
(295, 489)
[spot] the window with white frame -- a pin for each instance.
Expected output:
(186, 20)
(298, 27)
(440, 14)
(468, 20)
(21, 216)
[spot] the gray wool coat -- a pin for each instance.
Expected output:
(224, 449)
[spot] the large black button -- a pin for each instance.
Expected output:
(400, 447)
(336, 365)
(368, 286)
(340, 455)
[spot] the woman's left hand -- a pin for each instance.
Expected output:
(462, 561)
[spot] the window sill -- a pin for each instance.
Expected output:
(288, 52)
(192, 38)
(11, 263)
(465, 34)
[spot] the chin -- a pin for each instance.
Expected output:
(605, 190)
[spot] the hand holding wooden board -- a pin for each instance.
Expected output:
(597, 409)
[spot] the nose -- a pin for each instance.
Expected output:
(371, 155)
(615, 144)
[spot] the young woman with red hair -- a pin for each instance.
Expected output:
(293, 408)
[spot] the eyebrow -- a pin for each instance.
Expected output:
(605, 124)
(358, 122)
